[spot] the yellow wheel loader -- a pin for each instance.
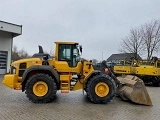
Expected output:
(125, 67)
(148, 71)
(41, 78)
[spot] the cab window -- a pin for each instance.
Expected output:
(70, 54)
(64, 52)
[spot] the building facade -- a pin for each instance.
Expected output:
(7, 32)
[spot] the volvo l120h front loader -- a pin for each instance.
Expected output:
(42, 78)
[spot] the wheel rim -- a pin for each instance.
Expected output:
(102, 89)
(40, 88)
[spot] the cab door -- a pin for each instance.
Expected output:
(68, 58)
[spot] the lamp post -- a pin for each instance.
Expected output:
(102, 56)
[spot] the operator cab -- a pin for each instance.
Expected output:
(69, 53)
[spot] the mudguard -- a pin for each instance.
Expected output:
(39, 68)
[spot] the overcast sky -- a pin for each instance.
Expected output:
(99, 25)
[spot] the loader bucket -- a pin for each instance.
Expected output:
(132, 88)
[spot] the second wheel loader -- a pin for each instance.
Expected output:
(147, 70)
(42, 78)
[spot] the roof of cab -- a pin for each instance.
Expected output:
(63, 42)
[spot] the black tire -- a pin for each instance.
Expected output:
(156, 81)
(91, 94)
(85, 89)
(52, 88)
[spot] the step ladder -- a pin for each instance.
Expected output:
(65, 87)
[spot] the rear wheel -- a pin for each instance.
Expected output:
(41, 88)
(101, 89)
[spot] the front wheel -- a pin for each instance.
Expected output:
(101, 89)
(41, 88)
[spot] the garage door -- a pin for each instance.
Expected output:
(3, 62)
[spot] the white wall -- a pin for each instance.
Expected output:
(6, 40)
(9, 27)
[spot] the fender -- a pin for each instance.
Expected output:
(91, 74)
(39, 68)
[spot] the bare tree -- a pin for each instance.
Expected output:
(15, 55)
(51, 52)
(18, 54)
(23, 54)
(143, 40)
(151, 37)
(132, 43)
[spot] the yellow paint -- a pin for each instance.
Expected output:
(65, 77)
(62, 66)
(10, 80)
(29, 61)
(64, 70)
(147, 70)
(86, 72)
(101, 89)
(143, 67)
(78, 86)
(125, 67)
(40, 88)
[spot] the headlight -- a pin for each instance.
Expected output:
(14, 71)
